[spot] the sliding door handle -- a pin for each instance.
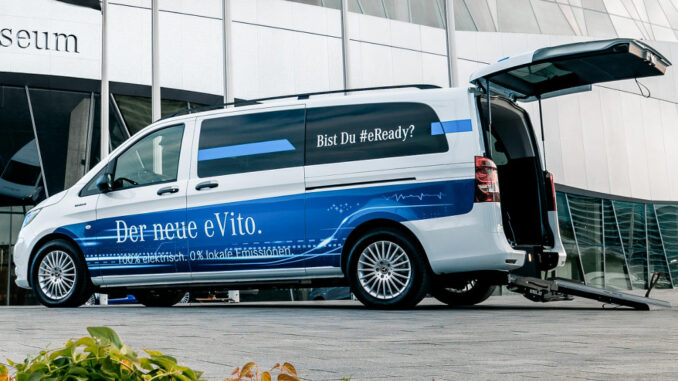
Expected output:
(169, 189)
(206, 184)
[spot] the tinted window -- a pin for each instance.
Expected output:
(91, 187)
(21, 173)
(252, 142)
(153, 159)
(371, 131)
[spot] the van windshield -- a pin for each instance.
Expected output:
(21, 173)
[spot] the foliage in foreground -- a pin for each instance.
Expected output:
(100, 356)
(103, 356)
(251, 372)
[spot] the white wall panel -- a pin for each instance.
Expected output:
(670, 139)
(615, 142)
(572, 142)
(656, 155)
(593, 139)
(638, 169)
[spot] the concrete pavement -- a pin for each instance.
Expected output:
(507, 337)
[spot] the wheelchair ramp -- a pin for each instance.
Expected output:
(546, 290)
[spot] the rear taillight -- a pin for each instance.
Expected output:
(487, 180)
(552, 198)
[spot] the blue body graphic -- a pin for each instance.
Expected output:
(245, 149)
(301, 230)
(451, 126)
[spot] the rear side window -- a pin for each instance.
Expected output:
(252, 142)
(371, 131)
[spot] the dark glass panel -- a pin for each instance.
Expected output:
(616, 272)
(135, 110)
(656, 249)
(372, 7)
(426, 13)
(251, 142)
(168, 106)
(61, 121)
(20, 175)
(667, 217)
(587, 221)
(397, 10)
(631, 220)
(572, 268)
(462, 17)
(372, 131)
(116, 130)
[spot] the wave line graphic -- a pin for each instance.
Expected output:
(399, 196)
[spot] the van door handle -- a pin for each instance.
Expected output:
(169, 189)
(207, 184)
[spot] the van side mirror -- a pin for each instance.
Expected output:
(105, 183)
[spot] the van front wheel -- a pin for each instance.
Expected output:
(466, 293)
(387, 270)
(59, 276)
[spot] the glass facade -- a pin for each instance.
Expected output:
(48, 140)
(618, 244)
(643, 19)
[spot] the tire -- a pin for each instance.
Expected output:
(467, 293)
(59, 275)
(159, 298)
(387, 270)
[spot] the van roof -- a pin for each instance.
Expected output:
(247, 104)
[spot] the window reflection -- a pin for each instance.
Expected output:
(61, 121)
(587, 221)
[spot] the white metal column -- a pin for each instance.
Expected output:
(345, 40)
(104, 81)
(155, 65)
(451, 43)
(227, 20)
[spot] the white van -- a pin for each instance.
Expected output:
(397, 194)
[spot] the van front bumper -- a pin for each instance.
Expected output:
(474, 241)
(21, 254)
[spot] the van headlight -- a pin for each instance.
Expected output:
(30, 216)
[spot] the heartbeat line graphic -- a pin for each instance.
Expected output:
(420, 196)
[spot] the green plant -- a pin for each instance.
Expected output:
(251, 372)
(100, 356)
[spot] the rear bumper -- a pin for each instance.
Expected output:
(474, 241)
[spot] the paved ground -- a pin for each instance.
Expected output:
(504, 338)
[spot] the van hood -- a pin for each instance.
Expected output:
(53, 199)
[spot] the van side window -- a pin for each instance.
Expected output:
(251, 142)
(153, 159)
(371, 131)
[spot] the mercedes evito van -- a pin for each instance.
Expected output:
(397, 193)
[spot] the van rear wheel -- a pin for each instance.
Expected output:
(159, 298)
(387, 270)
(463, 293)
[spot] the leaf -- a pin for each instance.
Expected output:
(3, 370)
(266, 376)
(247, 368)
(289, 368)
(287, 377)
(153, 353)
(105, 334)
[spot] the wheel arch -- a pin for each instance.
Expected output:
(373, 224)
(44, 240)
